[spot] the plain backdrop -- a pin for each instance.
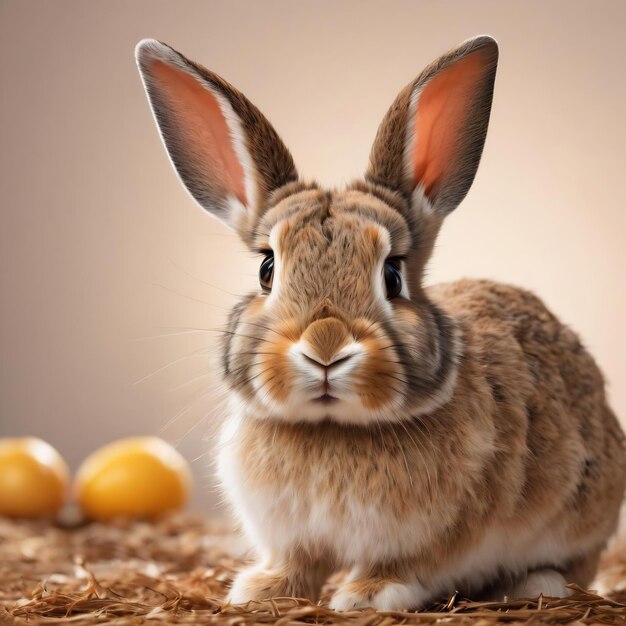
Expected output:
(112, 280)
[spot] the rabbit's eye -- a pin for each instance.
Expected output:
(266, 271)
(393, 278)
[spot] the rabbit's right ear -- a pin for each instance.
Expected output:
(226, 153)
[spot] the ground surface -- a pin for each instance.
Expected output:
(177, 571)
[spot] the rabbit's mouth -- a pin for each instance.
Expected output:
(325, 399)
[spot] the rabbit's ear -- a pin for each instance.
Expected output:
(429, 144)
(226, 153)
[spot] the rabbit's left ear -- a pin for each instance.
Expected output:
(429, 144)
(226, 153)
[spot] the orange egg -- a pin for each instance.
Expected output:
(33, 478)
(137, 477)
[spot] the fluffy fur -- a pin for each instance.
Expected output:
(452, 437)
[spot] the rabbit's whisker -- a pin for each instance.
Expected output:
(195, 353)
(184, 295)
(200, 280)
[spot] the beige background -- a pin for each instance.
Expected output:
(101, 250)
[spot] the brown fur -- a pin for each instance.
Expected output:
(474, 410)
(525, 384)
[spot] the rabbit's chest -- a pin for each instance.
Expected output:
(304, 491)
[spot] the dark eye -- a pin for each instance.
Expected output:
(266, 271)
(393, 278)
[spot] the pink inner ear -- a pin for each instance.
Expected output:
(206, 135)
(442, 107)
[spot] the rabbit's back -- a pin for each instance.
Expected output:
(574, 467)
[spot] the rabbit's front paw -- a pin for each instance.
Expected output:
(379, 594)
(288, 578)
(256, 583)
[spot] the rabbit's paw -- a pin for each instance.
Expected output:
(380, 594)
(257, 583)
(288, 578)
(547, 582)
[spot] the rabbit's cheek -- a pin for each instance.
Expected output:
(273, 376)
(380, 381)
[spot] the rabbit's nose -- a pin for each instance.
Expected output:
(338, 359)
(326, 342)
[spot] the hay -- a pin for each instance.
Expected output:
(177, 570)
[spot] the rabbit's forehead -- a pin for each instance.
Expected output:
(316, 221)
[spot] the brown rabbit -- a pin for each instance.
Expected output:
(426, 439)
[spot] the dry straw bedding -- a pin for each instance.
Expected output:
(176, 572)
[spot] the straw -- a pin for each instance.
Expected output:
(177, 571)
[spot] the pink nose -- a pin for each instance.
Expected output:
(323, 340)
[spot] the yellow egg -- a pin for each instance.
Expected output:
(33, 478)
(136, 477)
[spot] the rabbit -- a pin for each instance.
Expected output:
(421, 439)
